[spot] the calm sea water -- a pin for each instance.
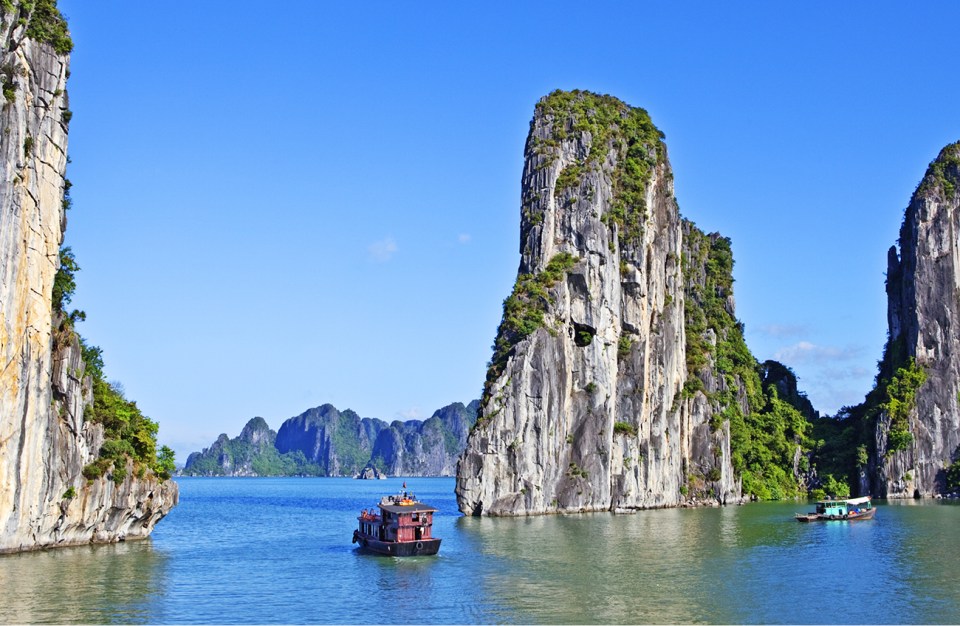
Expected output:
(279, 551)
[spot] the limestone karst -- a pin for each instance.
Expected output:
(918, 423)
(324, 441)
(45, 440)
(617, 366)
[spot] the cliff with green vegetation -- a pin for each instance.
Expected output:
(619, 377)
(326, 442)
(903, 440)
(79, 462)
(253, 453)
(755, 415)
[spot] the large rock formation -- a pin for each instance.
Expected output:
(326, 442)
(923, 288)
(427, 448)
(587, 405)
(253, 453)
(44, 441)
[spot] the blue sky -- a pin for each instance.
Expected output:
(280, 206)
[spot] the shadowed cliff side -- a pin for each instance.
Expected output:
(45, 440)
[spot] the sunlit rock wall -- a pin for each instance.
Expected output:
(586, 411)
(44, 442)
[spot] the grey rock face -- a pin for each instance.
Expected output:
(44, 442)
(340, 442)
(923, 288)
(585, 412)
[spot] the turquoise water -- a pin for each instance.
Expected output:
(279, 551)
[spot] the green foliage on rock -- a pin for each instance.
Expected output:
(901, 394)
(128, 433)
(943, 172)
(765, 430)
(831, 487)
(569, 177)
(64, 282)
(953, 473)
(523, 311)
(845, 443)
(226, 455)
(47, 24)
(608, 123)
(763, 443)
(9, 88)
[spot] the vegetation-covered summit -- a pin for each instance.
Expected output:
(43, 20)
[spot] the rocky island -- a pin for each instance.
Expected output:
(70, 472)
(620, 379)
(324, 441)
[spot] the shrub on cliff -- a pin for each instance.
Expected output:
(128, 432)
(523, 311)
(765, 437)
(953, 472)
(47, 25)
(901, 398)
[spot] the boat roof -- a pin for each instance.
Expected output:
(861, 500)
(416, 507)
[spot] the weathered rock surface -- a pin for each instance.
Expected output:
(427, 448)
(324, 441)
(44, 441)
(923, 288)
(584, 408)
(370, 472)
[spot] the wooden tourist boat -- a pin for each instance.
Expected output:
(402, 527)
(851, 509)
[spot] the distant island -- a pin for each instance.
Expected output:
(324, 441)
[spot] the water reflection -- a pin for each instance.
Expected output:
(642, 568)
(751, 564)
(114, 583)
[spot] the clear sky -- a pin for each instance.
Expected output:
(281, 205)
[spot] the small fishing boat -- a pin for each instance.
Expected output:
(401, 527)
(851, 509)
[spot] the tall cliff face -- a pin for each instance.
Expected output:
(584, 407)
(44, 441)
(923, 288)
